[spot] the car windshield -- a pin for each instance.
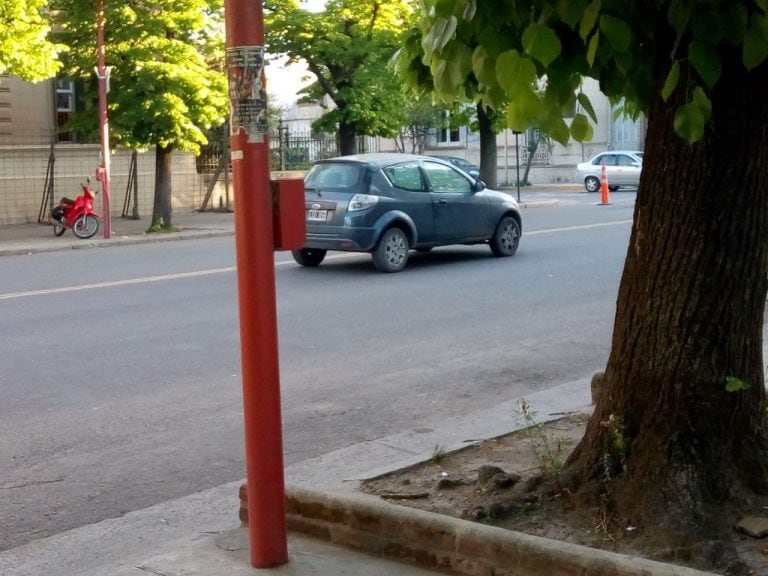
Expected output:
(333, 175)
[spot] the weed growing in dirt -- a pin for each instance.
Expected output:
(438, 454)
(549, 456)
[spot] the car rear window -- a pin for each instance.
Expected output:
(333, 175)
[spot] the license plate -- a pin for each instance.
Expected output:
(317, 215)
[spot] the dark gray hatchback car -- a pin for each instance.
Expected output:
(388, 204)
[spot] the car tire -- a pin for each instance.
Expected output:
(309, 257)
(592, 183)
(391, 253)
(506, 238)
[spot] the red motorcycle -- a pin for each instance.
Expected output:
(77, 214)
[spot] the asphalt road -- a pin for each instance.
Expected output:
(121, 367)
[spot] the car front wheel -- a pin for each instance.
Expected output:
(391, 253)
(592, 183)
(309, 257)
(506, 238)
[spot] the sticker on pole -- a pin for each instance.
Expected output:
(247, 92)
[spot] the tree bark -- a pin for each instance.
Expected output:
(667, 442)
(533, 146)
(162, 207)
(347, 139)
(488, 152)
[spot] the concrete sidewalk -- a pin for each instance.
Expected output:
(16, 239)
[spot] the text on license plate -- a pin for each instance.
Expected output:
(317, 215)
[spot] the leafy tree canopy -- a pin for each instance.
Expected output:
(166, 84)
(347, 48)
(509, 46)
(25, 49)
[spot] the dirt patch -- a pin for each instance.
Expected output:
(494, 482)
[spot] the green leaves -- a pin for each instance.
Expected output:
(541, 43)
(523, 109)
(589, 19)
(733, 384)
(452, 71)
(671, 82)
(515, 72)
(534, 45)
(25, 46)
(583, 99)
(440, 34)
(616, 31)
(755, 48)
(705, 60)
(691, 118)
(581, 129)
(165, 85)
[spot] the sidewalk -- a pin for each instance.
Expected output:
(18, 239)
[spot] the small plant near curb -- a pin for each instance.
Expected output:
(549, 458)
(438, 454)
(615, 457)
(159, 226)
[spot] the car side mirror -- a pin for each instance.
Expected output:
(479, 186)
(636, 164)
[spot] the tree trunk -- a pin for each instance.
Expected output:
(162, 207)
(347, 139)
(533, 146)
(670, 438)
(488, 152)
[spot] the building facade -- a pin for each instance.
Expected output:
(40, 161)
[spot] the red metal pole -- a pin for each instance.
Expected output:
(101, 72)
(256, 282)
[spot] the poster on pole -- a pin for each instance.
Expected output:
(247, 92)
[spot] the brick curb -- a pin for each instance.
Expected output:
(433, 541)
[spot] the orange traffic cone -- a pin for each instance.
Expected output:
(605, 197)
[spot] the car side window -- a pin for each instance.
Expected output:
(625, 160)
(444, 179)
(406, 177)
(609, 159)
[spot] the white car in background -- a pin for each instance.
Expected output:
(622, 168)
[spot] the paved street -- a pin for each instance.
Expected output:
(121, 379)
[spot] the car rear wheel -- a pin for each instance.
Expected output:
(506, 238)
(592, 183)
(309, 257)
(391, 253)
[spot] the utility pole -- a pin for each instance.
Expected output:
(102, 73)
(254, 242)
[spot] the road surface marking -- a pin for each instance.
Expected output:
(213, 271)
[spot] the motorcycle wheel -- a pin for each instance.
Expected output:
(59, 229)
(85, 226)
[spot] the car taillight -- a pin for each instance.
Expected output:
(361, 202)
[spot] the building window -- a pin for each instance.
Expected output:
(448, 134)
(65, 105)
